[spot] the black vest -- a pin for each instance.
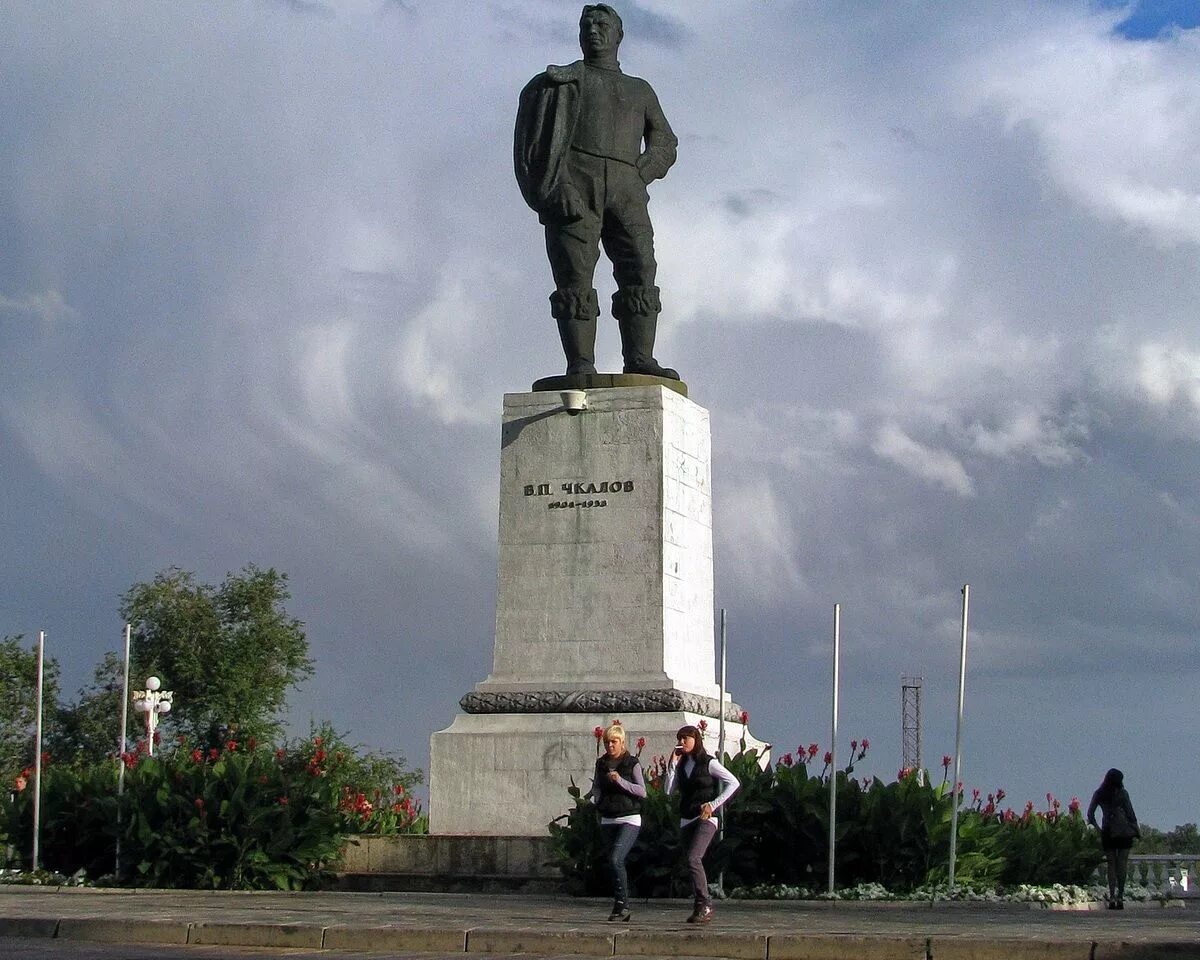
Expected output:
(615, 802)
(698, 789)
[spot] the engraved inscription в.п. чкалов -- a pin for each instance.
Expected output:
(579, 488)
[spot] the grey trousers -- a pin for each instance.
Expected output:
(697, 835)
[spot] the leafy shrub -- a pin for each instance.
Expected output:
(776, 834)
(244, 816)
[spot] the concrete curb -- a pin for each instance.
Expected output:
(791, 946)
(114, 930)
(36, 928)
(398, 939)
(949, 948)
(590, 941)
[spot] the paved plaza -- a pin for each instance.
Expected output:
(499, 925)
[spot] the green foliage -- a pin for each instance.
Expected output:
(230, 653)
(776, 834)
(1184, 838)
(1043, 849)
(243, 816)
(87, 730)
(18, 705)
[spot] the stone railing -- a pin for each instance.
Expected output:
(1163, 874)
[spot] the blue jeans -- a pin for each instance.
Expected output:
(619, 838)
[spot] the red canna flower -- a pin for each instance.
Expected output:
(813, 749)
(828, 757)
(598, 733)
(282, 801)
(398, 789)
(231, 746)
(744, 717)
(865, 744)
(640, 745)
(999, 795)
(213, 753)
(788, 760)
(317, 741)
(197, 755)
(947, 760)
(199, 803)
(853, 746)
(703, 725)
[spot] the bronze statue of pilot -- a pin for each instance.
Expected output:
(588, 140)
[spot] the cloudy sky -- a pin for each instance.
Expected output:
(265, 275)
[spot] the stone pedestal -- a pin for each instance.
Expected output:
(604, 605)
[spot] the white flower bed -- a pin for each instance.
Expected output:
(1064, 894)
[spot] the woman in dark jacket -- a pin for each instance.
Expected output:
(618, 789)
(1118, 833)
(704, 785)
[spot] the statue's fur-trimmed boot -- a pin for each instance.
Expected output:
(576, 312)
(636, 310)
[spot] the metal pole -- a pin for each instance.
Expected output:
(837, 649)
(123, 747)
(721, 717)
(962, 688)
(37, 751)
(721, 741)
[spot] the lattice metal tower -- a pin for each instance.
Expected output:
(910, 723)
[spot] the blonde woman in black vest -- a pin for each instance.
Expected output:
(618, 789)
(704, 787)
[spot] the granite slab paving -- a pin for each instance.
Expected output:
(546, 925)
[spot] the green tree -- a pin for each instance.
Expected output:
(18, 705)
(230, 653)
(88, 729)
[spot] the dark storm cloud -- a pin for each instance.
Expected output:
(746, 203)
(267, 276)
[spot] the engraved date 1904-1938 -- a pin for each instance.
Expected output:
(580, 488)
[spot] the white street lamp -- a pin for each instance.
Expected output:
(153, 702)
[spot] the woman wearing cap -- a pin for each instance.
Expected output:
(1119, 831)
(618, 789)
(704, 786)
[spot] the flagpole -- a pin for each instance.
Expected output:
(962, 688)
(37, 750)
(121, 751)
(837, 651)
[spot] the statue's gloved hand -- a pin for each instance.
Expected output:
(645, 168)
(565, 204)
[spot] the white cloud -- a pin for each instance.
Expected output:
(1166, 374)
(47, 307)
(937, 467)
(1118, 123)
(1028, 433)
